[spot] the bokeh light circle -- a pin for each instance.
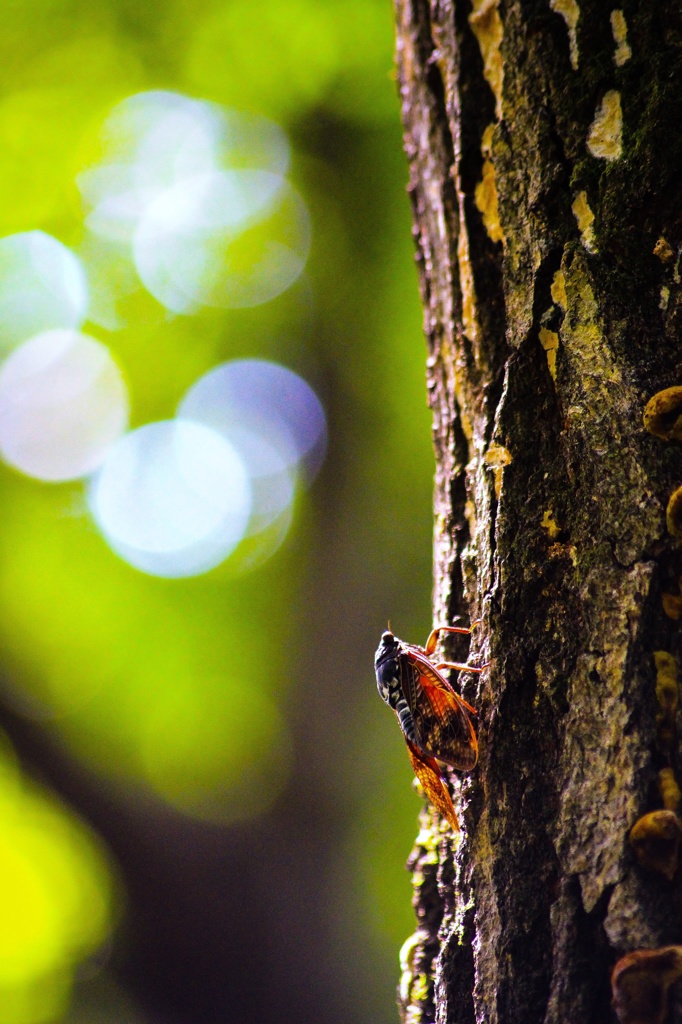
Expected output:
(153, 140)
(42, 287)
(228, 239)
(273, 479)
(173, 498)
(257, 398)
(63, 403)
(117, 297)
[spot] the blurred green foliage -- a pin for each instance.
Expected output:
(176, 686)
(55, 898)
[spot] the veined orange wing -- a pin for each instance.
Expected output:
(441, 716)
(427, 771)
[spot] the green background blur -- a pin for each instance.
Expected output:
(205, 809)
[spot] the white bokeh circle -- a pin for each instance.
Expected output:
(42, 287)
(154, 140)
(173, 498)
(267, 401)
(63, 403)
(227, 239)
(197, 193)
(273, 480)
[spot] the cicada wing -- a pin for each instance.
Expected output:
(441, 720)
(427, 771)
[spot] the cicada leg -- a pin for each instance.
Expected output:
(461, 668)
(430, 646)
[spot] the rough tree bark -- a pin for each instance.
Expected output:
(545, 146)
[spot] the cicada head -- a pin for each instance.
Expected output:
(387, 668)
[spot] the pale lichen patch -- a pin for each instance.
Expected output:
(487, 140)
(405, 984)
(470, 516)
(570, 12)
(665, 298)
(414, 984)
(548, 523)
(550, 342)
(664, 250)
(460, 395)
(413, 991)
(585, 220)
(406, 955)
(558, 290)
(486, 192)
(497, 457)
(486, 25)
(455, 384)
(605, 139)
(620, 33)
(466, 284)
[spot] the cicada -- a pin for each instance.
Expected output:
(434, 719)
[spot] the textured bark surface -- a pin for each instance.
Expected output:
(545, 148)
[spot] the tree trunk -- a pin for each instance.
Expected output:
(545, 149)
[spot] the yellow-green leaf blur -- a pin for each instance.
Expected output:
(215, 482)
